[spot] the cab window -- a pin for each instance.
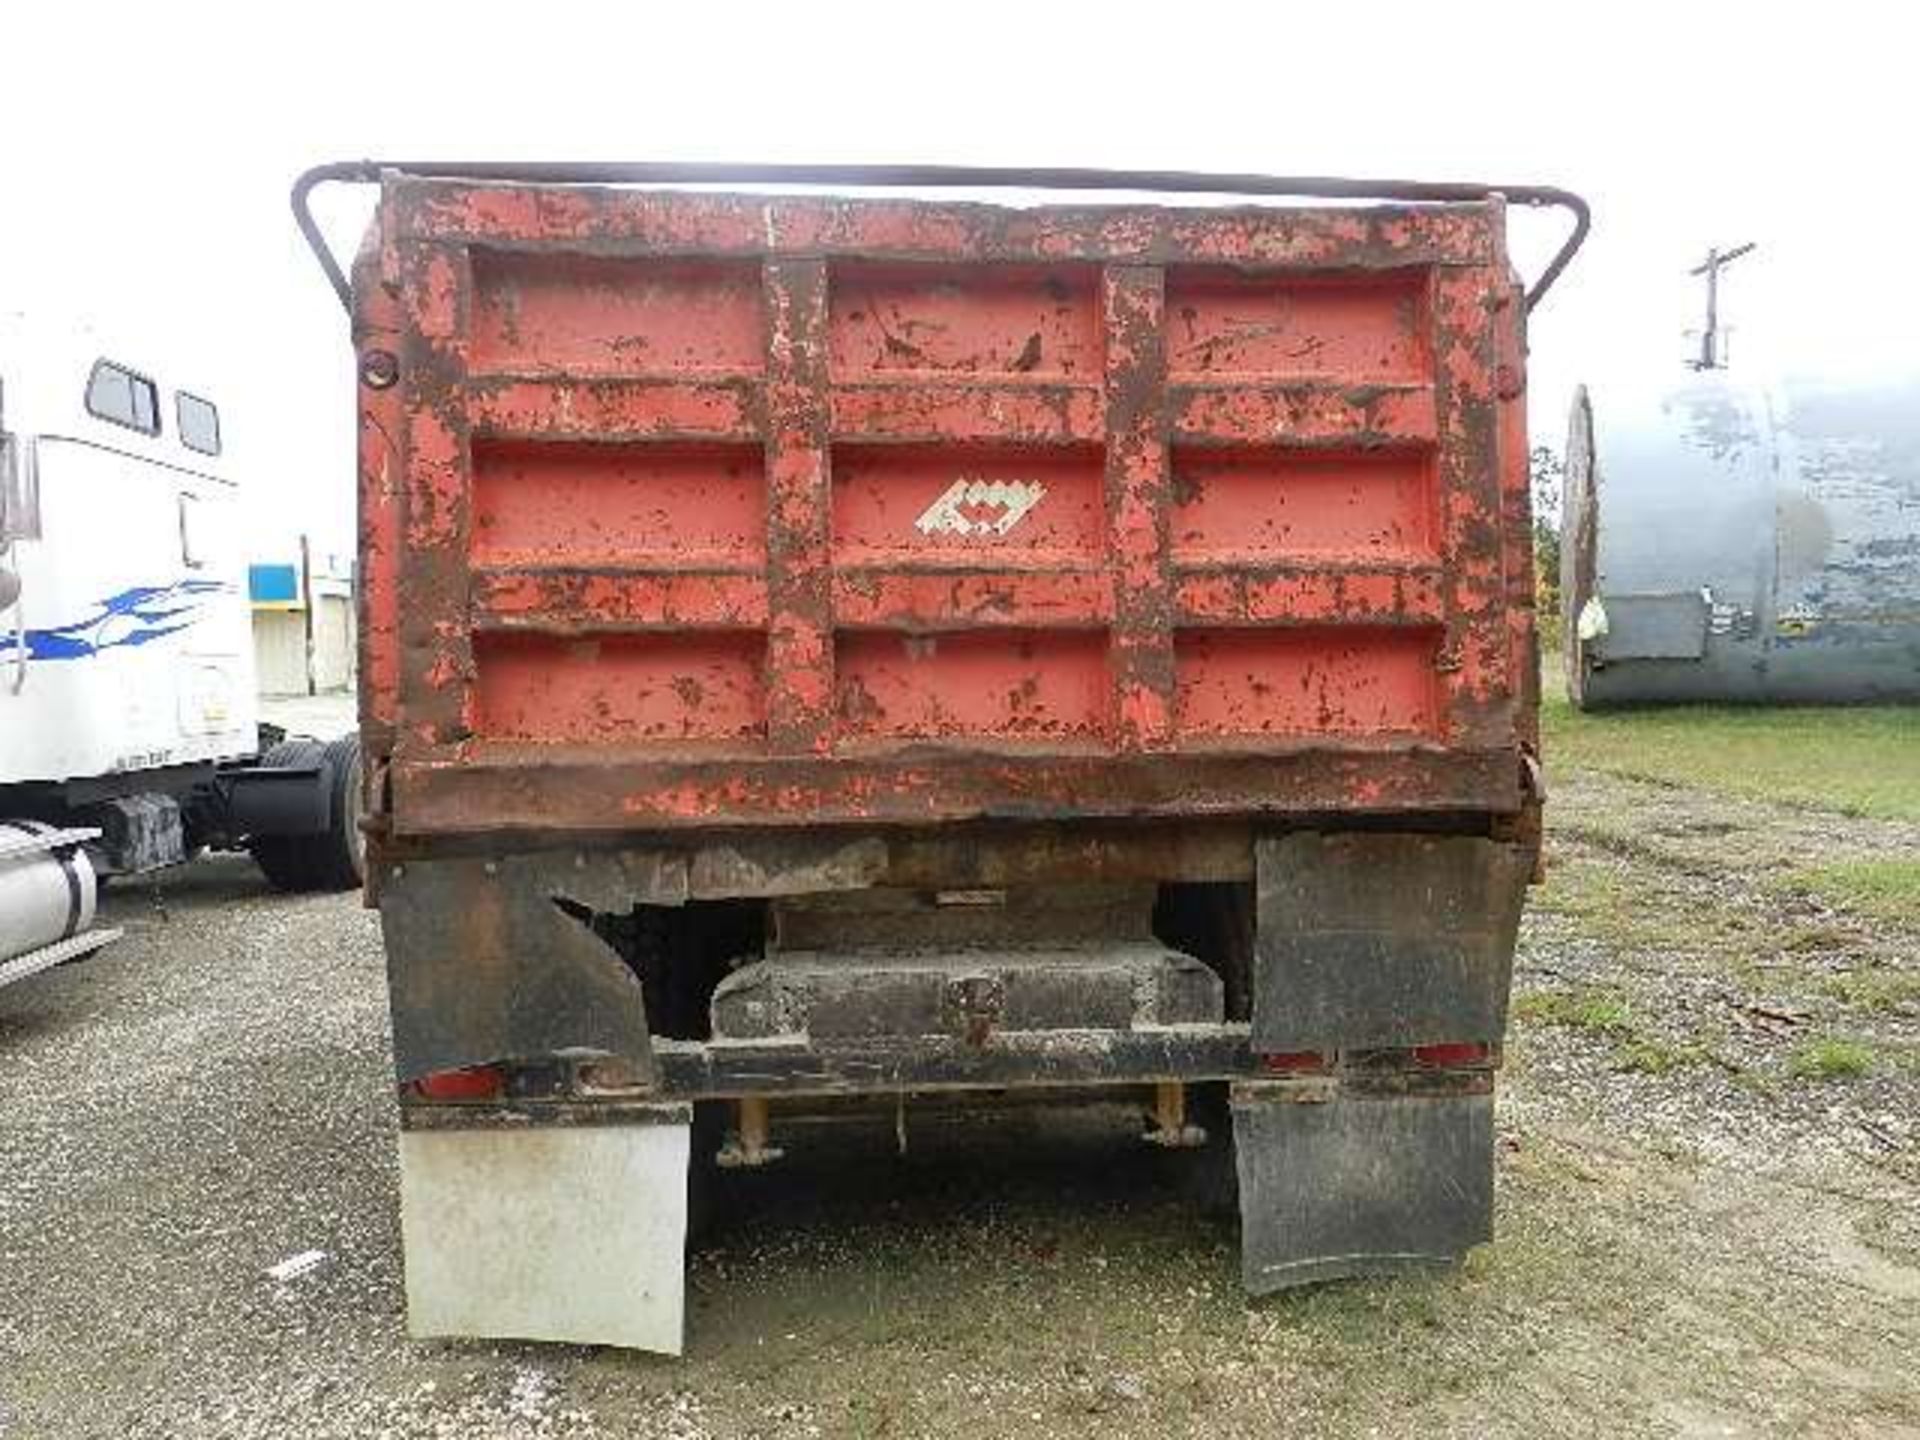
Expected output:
(197, 422)
(122, 397)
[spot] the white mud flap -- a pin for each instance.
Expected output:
(571, 1232)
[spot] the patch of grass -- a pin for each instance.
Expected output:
(1604, 899)
(1806, 937)
(1598, 1012)
(1858, 760)
(1880, 991)
(1607, 1015)
(1830, 1059)
(1645, 908)
(1581, 889)
(1884, 886)
(1652, 1055)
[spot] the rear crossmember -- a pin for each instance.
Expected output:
(1348, 1109)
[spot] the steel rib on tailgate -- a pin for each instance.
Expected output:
(743, 511)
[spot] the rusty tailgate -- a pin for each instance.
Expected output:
(696, 509)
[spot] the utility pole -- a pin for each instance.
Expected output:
(306, 614)
(1716, 261)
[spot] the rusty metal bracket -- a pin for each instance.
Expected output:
(483, 965)
(748, 1147)
(1170, 1128)
(935, 177)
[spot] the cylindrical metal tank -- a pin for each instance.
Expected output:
(46, 895)
(1730, 540)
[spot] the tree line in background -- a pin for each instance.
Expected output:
(1547, 471)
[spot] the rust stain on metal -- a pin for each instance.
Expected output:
(378, 326)
(1139, 499)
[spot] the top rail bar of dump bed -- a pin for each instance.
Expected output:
(916, 177)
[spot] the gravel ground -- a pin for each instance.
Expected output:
(1694, 1239)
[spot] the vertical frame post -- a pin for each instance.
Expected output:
(800, 669)
(1139, 497)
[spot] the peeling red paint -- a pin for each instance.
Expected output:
(714, 510)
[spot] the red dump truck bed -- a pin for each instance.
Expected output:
(694, 509)
(821, 650)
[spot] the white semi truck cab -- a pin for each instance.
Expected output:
(129, 732)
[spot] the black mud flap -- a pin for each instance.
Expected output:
(1339, 1178)
(483, 963)
(1379, 941)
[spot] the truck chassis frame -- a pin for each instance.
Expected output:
(811, 880)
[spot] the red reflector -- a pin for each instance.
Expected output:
(1294, 1062)
(1460, 1053)
(478, 1082)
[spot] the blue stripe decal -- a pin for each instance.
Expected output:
(133, 617)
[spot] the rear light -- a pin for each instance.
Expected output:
(477, 1082)
(1459, 1055)
(1297, 1062)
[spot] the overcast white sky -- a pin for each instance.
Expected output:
(148, 150)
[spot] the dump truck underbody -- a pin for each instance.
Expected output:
(1306, 976)
(822, 648)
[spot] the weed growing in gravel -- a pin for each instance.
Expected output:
(1600, 1012)
(1606, 1014)
(1635, 902)
(1829, 1059)
(1880, 991)
(1652, 1055)
(1603, 898)
(1811, 937)
(1881, 886)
